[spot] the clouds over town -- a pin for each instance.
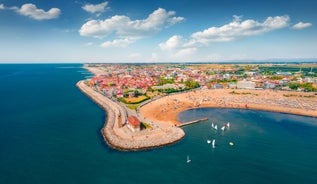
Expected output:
(97, 8)
(161, 31)
(302, 25)
(30, 10)
(234, 30)
(126, 30)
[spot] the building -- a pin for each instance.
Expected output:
(245, 84)
(217, 86)
(232, 85)
(269, 85)
(134, 123)
(170, 86)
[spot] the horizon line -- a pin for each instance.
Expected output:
(308, 60)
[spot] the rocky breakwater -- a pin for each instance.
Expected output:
(121, 137)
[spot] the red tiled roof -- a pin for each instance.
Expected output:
(134, 121)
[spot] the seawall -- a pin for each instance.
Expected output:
(122, 138)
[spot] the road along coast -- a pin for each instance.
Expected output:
(122, 138)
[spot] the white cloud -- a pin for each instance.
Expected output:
(172, 43)
(95, 8)
(175, 20)
(182, 48)
(226, 33)
(302, 25)
(32, 11)
(185, 52)
(124, 28)
(177, 48)
(2, 7)
(237, 29)
(122, 43)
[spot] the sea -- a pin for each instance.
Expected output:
(50, 133)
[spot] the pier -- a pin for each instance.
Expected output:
(120, 137)
(192, 122)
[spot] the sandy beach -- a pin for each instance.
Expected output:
(166, 109)
(95, 70)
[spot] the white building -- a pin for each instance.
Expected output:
(245, 84)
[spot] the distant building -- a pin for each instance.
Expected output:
(131, 94)
(251, 73)
(286, 88)
(227, 76)
(170, 86)
(283, 73)
(283, 82)
(232, 85)
(134, 123)
(308, 79)
(217, 86)
(245, 84)
(269, 85)
(119, 94)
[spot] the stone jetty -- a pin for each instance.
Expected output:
(119, 136)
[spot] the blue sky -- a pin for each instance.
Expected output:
(157, 30)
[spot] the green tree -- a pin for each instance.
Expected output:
(293, 86)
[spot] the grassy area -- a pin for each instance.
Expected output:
(243, 93)
(136, 99)
(133, 107)
(133, 100)
(289, 95)
(293, 95)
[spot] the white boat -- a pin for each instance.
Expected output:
(208, 141)
(223, 128)
(228, 124)
(188, 160)
(216, 128)
(213, 143)
(212, 125)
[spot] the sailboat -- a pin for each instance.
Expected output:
(208, 141)
(188, 160)
(223, 128)
(212, 125)
(216, 128)
(228, 124)
(213, 143)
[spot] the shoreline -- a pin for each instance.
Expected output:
(263, 100)
(162, 113)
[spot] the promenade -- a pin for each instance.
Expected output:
(122, 138)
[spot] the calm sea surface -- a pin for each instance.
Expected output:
(50, 133)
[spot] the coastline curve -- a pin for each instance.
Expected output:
(265, 100)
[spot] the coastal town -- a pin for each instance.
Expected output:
(142, 101)
(122, 80)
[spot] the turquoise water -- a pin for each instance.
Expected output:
(50, 133)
